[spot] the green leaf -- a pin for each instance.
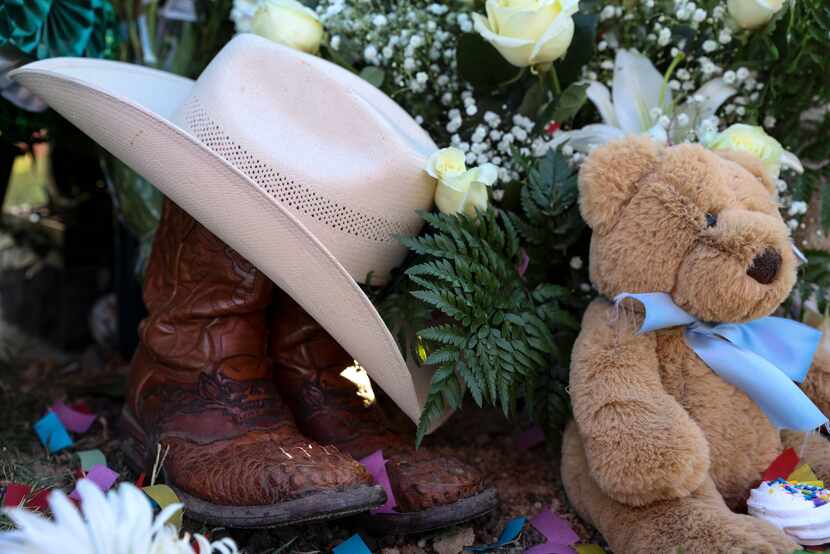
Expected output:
(481, 64)
(825, 209)
(373, 75)
(571, 101)
(497, 336)
(581, 50)
(533, 101)
(346, 55)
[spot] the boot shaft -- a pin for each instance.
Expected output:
(202, 368)
(308, 363)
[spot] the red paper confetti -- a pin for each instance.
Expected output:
(39, 500)
(15, 493)
(781, 466)
(552, 127)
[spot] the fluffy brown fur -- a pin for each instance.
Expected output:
(662, 450)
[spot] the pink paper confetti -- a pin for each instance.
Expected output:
(376, 466)
(103, 477)
(558, 532)
(75, 421)
(550, 548)
(523, 263)
(529, 438)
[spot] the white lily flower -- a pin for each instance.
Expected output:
(640, 102)
(119, 523)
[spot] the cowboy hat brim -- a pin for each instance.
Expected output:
(127, 109)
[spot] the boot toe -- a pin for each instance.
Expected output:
(258, 469)
(422, 479)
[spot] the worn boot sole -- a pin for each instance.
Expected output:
(407, 523)
(313, 507)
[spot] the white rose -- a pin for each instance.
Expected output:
(460, 189)
(447, 163)
(290, 23)
(528, 32)
(750, 14)
(242, 13)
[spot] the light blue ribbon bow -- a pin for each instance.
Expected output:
(762, 357)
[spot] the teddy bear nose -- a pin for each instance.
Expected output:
(765, 266)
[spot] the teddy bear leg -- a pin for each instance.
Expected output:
(813, 448)
(699, 524)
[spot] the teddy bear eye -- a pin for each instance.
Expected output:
(711, 219)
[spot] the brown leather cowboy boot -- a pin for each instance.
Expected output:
(431, 491)
(201, 385)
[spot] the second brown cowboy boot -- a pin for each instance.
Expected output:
(201, 385)
(431, 491)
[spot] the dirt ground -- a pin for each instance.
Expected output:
(527, 480)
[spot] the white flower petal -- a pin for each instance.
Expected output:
(788, 159)
(66, 514)
(486, 174)
(714, 94)
(659, 134)
(554, 42)
(165, 515)
(636, 91)
(591, 136)
(515, 51)
(569, 7)
(601, 97)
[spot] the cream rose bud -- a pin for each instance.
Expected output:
(460, 189)
(528, 32)
(746, 138)
(290, 23)
(750, 14)
(447, 163)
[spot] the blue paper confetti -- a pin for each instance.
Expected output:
(52, 433)
(354, 545)
(509, 534)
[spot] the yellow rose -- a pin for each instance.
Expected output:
(290, 23)
(746, 138)
(528, 32)
(460, 189)
(750, 14)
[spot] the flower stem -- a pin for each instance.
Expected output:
(554, 78)
(674, 63)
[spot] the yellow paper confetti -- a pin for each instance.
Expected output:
(589, 549)
(804, 474)
(164, 496)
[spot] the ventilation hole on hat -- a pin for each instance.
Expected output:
(296, 195)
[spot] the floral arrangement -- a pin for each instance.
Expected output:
(119, 522)
(518, 92)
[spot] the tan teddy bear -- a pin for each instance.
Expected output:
(662, 449)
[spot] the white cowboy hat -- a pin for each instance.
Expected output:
(303, 168)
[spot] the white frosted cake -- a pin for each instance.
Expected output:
(800, 509)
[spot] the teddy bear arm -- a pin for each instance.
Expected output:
(641, 445)
(817, 383)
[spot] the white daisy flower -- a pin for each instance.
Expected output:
(121, 522)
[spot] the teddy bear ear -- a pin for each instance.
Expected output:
(752, 164)
(611, 175)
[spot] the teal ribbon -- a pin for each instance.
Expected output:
(51, 28)
(761, 357)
